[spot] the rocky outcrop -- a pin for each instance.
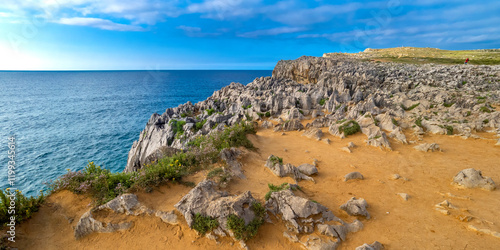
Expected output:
(353, 176)
(126, 204)
(425, 147)
(471, 178)
(374, 246)
(384, 98)
(276, 166)
(205, 200)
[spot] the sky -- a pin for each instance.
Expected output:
(228, 34)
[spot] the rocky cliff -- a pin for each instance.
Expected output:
(382, 98)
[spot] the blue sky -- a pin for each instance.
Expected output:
(225, 34)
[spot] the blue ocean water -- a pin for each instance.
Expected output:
(62, 120)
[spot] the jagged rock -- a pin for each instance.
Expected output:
(230, 156)
(297, 212)
(292, 125)
(428, 146)
(126, 203)
(313, 133)
(316, 243)
(374, 246)
(351, 145)
(355, 207)
(353, 176)
(266, 125)
(288, 169)
(340, 231)
(292, 238)
(471, 178)
(307, 169)
(158, 154)
(167, 217)
(327, 141)
(346, 149)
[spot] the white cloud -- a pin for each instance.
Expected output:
(99, 23)
(196, 31)
(224, 9)
(271, 32)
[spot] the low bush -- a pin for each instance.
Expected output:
(210, 111)
(273, 188)
(14, 203)
(246, 232)
(322, 102)
(349, 128)
(418, 121)
(409, 108)
(275, 159)
(204, 224)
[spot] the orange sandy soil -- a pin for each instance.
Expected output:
(398, 224)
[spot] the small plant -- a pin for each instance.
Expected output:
(338, 106)
(409, 108)
(300, 111)
(215, 172)
(199, 125)
(395, 122)
(449, 129)
(486, 121)
(268, 114)
(210, 111)
(275, 160)
(204, 224)
(448, 104)
(177, 126)
(349, 128)
(247, 107)
(322, 102)
(432, 106)
(418, 122)
(464, 82)
(469, 113)
(246, 232)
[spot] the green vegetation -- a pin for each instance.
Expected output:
(394, 122)
(210, 111)
(322, 102)
(432, 106)
(204, 224)
(24, 206)
(177, 126)
(246, 232)
(273, 188)
(449, 129)
(409, 108)
(268, 114)
(199, 125)
(275, 160)
(469, 113)
(222, 175)
(247, 107)
(349, 128)
(464, 82)
(485, 109)
(214, 172)
(418, 122)
(448, 104)
(486, 121)
(102, 185)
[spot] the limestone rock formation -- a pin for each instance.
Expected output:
(288, 169)
(356, 207)
(313, 133)
(471, 178)
(425, 147)
(374, 246)
(353, 176)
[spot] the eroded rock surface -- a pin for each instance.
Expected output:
(471, 178)
(288, 169)
(356, 207)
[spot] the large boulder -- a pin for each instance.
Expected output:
(356, 207)
(276, 166)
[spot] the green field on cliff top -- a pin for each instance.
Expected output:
(430, 55)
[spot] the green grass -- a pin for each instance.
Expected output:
(204, 224)
(394, 121)
(486, 121)
(418, 122)
(322, 102)
(485, 109)
(247, 107)
(449, 129)
(199, 125)
(24, 207)
(210, 111)
(349, 128)
(448, 104)
(268, 114)
(177, 126)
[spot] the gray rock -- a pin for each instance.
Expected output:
(356, 207)
(288, 169)
(425, 147)
(307, 169)
(374, 246)
(353, 176)
(471, 178)
(313, 133)
(404, 196)
(167, 217)
(230, 156)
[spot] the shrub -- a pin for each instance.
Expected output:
(449, 129)
(268, 114)
(322, 102)
(247, 107)
(204, 224)
(432, 106)
(177, 126)
(25, 207)
(486, 121)
(349, 128)
(446, 104)
(199, 125)
(210, 111)
(273, 188)
(246, 232)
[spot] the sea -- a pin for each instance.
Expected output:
(55, 121)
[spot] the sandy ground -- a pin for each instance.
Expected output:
(398, 224)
